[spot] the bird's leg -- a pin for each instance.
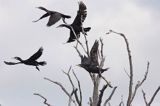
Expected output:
(37, 68)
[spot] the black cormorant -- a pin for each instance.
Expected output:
(30, 61)
(91, 63)
(93, 68)
(77, 23)
(54, 16)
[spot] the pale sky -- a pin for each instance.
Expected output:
(19, 36)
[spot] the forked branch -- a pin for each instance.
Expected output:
(130, 92)
(45, 100)
(152, 98)
(109, 98)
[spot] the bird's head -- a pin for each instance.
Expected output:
(18, 58)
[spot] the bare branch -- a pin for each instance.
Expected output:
(95, 90)
(144, 97)
(101, 95)
(80, 55)
(109, 98)
(109, 104)
(78, 40)
(139, 83)
(130, 65)
(154, 95)
(108, 83)
(101, 40)
(61, 86)
(152, 98)
(68, 75)
(74, 88)
(122, 102)
(79, 87)
(45, 100)
(84, 33)
(126, 73)
(87, 46)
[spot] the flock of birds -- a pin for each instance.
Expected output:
(89, 63)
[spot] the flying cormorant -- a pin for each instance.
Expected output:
(54, 16)
(77, 23)
(30, 61)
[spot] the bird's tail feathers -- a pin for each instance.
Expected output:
(104, 70)
(87, 29)
(66, 16)
(42, 63)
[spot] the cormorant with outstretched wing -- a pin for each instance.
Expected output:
(54, 16)
(30, 61)
(76, 27)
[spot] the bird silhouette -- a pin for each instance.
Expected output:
(76, 27)
(30, 61)
(54, 16)
(91, 63)
(92, 68)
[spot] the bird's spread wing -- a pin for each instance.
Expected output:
(54, 17)
(10, 63)
(94, 53)
(42, 8)
(36, 55)
(43, 16)
(81, 14)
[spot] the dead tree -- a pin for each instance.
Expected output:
(132, 89)
(75, 95)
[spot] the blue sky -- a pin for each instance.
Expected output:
(138, 20)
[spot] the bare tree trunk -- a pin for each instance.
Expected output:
(95, 90)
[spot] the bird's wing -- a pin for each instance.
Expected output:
(36, 55)
(81, 14)
(10, 63)
(43, 16)
(42, 8)
(85, 60)
(54, 17)
(94, 53)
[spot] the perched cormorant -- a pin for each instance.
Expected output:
(54, 16)
(91, 63)
(77, 23)
(30, 61)
(93, 68)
